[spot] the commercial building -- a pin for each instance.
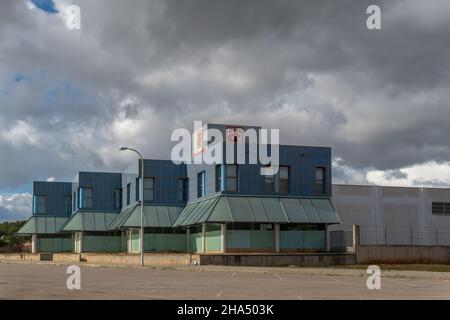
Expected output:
(212, 208)
(392, 215)
(51, 209)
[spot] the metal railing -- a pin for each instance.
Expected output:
(412, 236)
(342, 240)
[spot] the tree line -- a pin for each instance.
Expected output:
(7, 233)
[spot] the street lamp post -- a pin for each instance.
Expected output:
(141, 191)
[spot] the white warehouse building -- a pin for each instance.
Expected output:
(391, 215)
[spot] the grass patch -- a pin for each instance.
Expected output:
(403, 267)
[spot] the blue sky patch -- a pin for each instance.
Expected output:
(19, 77)
(45, 5)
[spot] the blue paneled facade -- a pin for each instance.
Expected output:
(95, 191)
(167, 179)
(50, 198)
(301, 162)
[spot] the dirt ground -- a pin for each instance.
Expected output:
(48, 281)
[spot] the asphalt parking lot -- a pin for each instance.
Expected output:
(48, 281)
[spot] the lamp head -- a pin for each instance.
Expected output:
(123, 148)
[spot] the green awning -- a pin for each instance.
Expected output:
(121, 218)
(154, 216)
(42, 225)
(259, 209)
(90, 221)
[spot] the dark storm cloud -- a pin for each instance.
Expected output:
(395, 174)
(138, 69)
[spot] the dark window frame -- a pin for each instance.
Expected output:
(128, 193)
(228, 177)
(218, 181)
(288, 179)
(137, 189)
(268, 178)
(320, 184)
(182, 192)
(117, 198)
(68, 205)
(201, 184)
(152, 189)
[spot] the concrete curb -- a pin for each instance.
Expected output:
(316, 271)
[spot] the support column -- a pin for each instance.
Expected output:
(81, 241)
(277, 237)
(355, 237)
(34, 243)
(76, 242)
(123, 239)
(223, 237)
(203, 237)
(188, 238)
(128, 240)
(327, 239)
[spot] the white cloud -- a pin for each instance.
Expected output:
(425, 175)
(215, 74)
(15, 206)
(30, 5)
(21, 134)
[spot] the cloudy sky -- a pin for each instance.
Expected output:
(138, 69)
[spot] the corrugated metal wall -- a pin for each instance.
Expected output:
(297, 239)
(55, 245)
(254, 239)
(102, 243)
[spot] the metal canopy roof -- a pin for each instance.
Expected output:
(121, 218)
(154, 216)
(226, 208)
(90, 221)
(42, 225)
